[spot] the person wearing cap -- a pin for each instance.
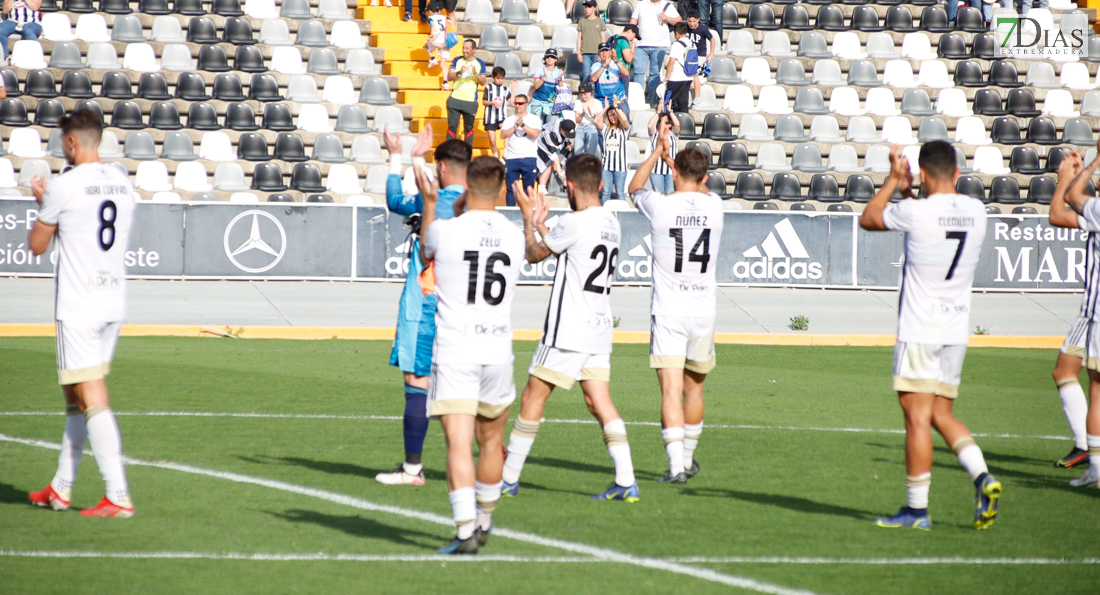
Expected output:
(552, 147)
(588, 136)
(545, 86)
(611, 78)
(591, 32)
(653, 18)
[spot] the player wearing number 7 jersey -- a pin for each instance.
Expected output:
(943, 241)
(686, 231)
(576, 339)
(477, 260)
(90, 209)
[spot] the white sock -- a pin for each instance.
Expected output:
(614, 435)
(519, 446)
(691, 441)
(412, 469)
(916, 488)
(487, 495)
(1076, 409)
(107, 447)
(72, 448)
(970, 457)
(674, 448)
(464, 508)
(1094, 453)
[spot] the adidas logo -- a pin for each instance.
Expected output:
(781, 255)
(630, 269)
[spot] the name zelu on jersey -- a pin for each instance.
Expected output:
(20, 254)
(1029, 264)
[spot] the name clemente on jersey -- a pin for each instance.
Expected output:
(956, 222)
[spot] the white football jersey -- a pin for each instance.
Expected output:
(92, 206)
(477, 260)
(686, 232)
(579, 315)
(1089, 220)
(943, 242)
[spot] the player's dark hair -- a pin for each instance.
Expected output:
(937, 158)
(499, 71)
(454, 152)
(584, 171)
(485, 176)
(692, 164)
(693, 14)
(681, 28)
(86, 125)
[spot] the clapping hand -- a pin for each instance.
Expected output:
(424, 142)
(429, 189)
(393, 141)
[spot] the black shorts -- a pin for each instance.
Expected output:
(492, 127)
(451, 6)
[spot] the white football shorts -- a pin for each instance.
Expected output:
(85, 350)
(682, 342)
(933, 369)
(1074, 345)
(562, 368)
(488, 391)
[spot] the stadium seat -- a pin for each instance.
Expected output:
(862, 130)
(765, 206)
(984, 46)
(565, 37)
(127, 29)
(1005, 190)
(788, 129)
(988, 160)
(312, 34)
(786, 187)
(777, 45)
(202, 116)
(1093, 48)
(844, 101)
(295, 9)
(261, 9)
(153, 86)
(328, 148)
(1024, 160)
(688, 130)
(376, 179)
(761, 17)
(302, 89)
(847, 45)
(333, 10)
(512, 65)
(749, 185)
(865, 18)
(48, 113)
(843, 159)
(306, 177)
(264, 87)
(970, 19)
(212, 58)
(32, 168)
(704, 148)
(204, 197)
(932, 128)
(1021, 102)
(515, 12)
(934, 20)
(552, 12)
(734, 156)
(899, 19)
(810, 101)
(92, 28)
(754, 128)
(1090, 104)
(1055, 156)
(1006, 131)
(28, 54)
(1078, 131)
(283, 197)
(773, 100)
(741, 44)
(1041, 75)
(78, 6)
(803, 206)
(730, 20)
(494, 38)
(859, 188)
(824, 188)
(812, 44)
(201, 30)
(917, 46)
(127, 116)
(166, 197)
(739, 99)
(77, 85)
(290, 147)
(1042, 131)
(227, 87)
(756, 71)
(56, 27)
(241, 117)
(952, 102)
(970, 130)
(863, 73)
(829, 18)
(164, 115)
(1059, 104)
(342, 179)
(880, 102)
(314, 118)
(366, 150)
(825, 129)
(880, 46)
(352, 119)
(791, 72)
(109, 147)
(229, 177)
(915, 102)
(237, 31)
(287, 60)
(190, 86)
(91, 105)
(323, 61)
(139, 146)
(40, 83)
(988, 102)
(178, 146)
(827, 73)
(796, 18)
(252, 146)
(807, 158)
(176, 57)
(152, 176)
(1041, 190)
(140, 57)
(724, 71)
(971, 186)
(717, 127)
(772, 157)
(277, 117)
(1003, 73)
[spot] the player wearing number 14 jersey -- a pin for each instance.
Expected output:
(90, 210)
(686, 230)
(943, 241)
(576, 339)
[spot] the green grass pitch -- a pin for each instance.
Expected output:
(791, 486)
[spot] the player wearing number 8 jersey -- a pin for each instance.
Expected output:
(943, 241)
(90, 209)
(686, 231)
(576, 338)
(477, 260)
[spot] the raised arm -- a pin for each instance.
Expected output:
(642, 175)
(40, 235)
(1076, 197)
(900, 177)
(428, 190)
(1060, 216)
(534, 210)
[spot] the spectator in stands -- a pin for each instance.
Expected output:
(710, 13)
(520, 156)
(611, 78)
(545, 86)
(497, 95)
(422, 5)
(467, 71)
(653, 18)
(591, 32)
(24, 18)
(1022, 6)
(588, 136)
(705, 42)
(552, 147)
(623, 45)
(663, 124)
(437, 39)
(679, 75)
(615, 127)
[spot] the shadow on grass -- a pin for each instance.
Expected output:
(9, 494)
(333, 467)
(526, 485)
(789, 502)
(583, 467)
(358, 526)
(989, 455)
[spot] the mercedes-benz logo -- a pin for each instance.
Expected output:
(255, 242)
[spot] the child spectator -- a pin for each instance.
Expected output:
(437, 39)
(679, 74)
(705, 41)
(497, 95)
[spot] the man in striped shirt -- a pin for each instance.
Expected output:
(551, 147)
(23, 18)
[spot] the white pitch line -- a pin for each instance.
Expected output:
(882, 561)
(570, 546)
(551, 420)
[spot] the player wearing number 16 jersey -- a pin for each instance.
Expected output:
(686, 230)
(576, 339)
(477, 260)
(943, 241)
(90, 209)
